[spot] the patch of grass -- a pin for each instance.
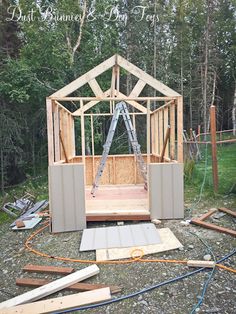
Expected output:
(226, 155)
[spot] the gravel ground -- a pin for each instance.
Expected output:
(179, 297)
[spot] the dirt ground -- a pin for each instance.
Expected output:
(179, 297)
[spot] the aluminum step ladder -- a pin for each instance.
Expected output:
(122, 109)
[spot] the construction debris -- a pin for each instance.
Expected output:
(51, 287)
(200, 221)
(207, 264)
(48, 269)
(19, 206)
(37, 282)
(61, 303)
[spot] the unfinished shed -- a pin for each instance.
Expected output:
(75, 161)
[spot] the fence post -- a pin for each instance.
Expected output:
(214, 148)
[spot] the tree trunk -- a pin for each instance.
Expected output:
(2, 171)
(205, 80)
(234, 112)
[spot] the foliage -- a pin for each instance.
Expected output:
(168, 41)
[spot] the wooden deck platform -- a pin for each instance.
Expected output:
(120, 202)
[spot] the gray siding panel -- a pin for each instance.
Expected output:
(166, 190)
(67, 197)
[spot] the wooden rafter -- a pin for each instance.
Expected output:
(116, 62)
(96, 88)
(82, 80)
(91, 104)
(133, 69)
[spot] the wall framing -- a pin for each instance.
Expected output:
(163, 129)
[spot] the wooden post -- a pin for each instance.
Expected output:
(82, 132)
(135, 161)
(180, 128)
(148, 132)
(214, 148)
(50, 132)
(160, 130)
(92, 138)
(56, 132)
(199, 132)
(172, 131)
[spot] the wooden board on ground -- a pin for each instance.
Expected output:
(28, 224)
(79, 287)
(62, 303)
(48, 269)
(52, 287)
(168, 242)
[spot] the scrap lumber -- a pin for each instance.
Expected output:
(227, 211)
(52, 287)
(200, 221)
(62, 303)
(213, 227)
(195, 263)
(48, 269)
(79, 287)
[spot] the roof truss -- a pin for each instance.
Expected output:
(115, 62)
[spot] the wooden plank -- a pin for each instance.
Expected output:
(166, 131)
(61, 304)
(148, 133)
(117, 91)
(48, 269)
(133, 103)
(140, 98)
(161, 130)
(63, 146)
(79, 287)
(62, 107)
(73, 150)
(56, 132)
(92, 139)
(133, 69)
(91, 104)
(167, 136)
(168, 242)
(213, 227)
(117, 217)
(71, 87)
(195, 263)
(96, 88)
(208, 214)
(137, 88)
(157, 137)
(180, 129)
(214, 148)
(172, 130)
(50, 131)
(82, 132)
(52, 287)
(227, 211)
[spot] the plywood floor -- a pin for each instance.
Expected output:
(117, 199)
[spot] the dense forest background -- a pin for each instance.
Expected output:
(188, 45)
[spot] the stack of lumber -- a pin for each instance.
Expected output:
(92, 293)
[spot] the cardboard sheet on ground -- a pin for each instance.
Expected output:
(119, 236)
(168, 242)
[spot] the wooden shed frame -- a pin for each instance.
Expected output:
(160, 148)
